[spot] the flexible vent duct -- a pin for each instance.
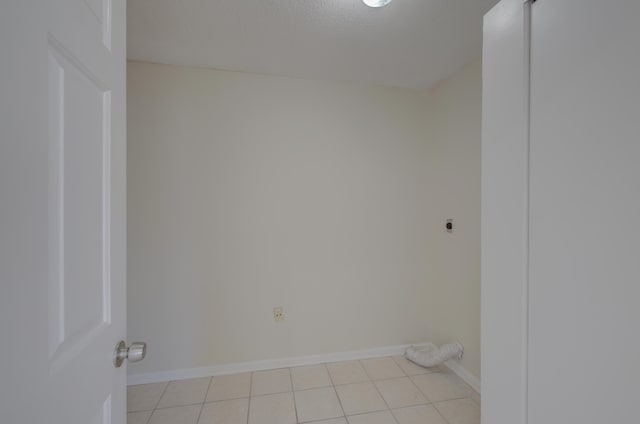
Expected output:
(435, 356)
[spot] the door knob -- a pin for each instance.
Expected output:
(136, 352)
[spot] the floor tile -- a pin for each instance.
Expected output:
(268, 382)
(442, 386)
(347, 372)
(383, 417)
(382, 368)
(317, 404)
(144, 397)
(310, 377)
(272, 409)
(421, 414)
(225, 412)
(364, 391)
(410, 368)
(459, 411)
(360, 398)
(225, 387)
(400, 392)
(179, 415)
(185, 392)
(138, 417)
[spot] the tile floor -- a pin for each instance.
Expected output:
(387, 390)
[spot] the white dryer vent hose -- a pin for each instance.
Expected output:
(434, 355)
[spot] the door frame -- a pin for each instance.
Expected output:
(505, 212)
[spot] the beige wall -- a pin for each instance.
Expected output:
(248, 192)
(453, 304)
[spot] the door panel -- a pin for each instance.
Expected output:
(62, 173)
(584, 209)
(78, 204)
(102, 12)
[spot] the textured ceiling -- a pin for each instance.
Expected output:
(409, 43)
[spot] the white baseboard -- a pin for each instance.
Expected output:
(455, 366)
(155, 377)
(213, 370)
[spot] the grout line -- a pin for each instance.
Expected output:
(137, 412)
(449, 400)
(312, 388)
(178, 406)
(429, 401)
(140, 410)
(420, 391)
(160, 398)
(250, 396)
(404, 374)
(440, 413)
(378, 390)
(225, 400)
(333, 385)
(353, 382)
(293, 396)
(205, 399)
(452, 399)
(324, 420)
(208, 389)
(270, 394)
(379, 410)
(375, 412)
(200, 413)
(344, 414)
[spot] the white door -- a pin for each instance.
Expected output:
(584, 318)
(561, 203)
(62, 216)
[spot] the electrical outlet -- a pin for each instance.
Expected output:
(278, 314)
(449, 226)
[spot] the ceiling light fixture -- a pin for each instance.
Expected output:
(376, 3)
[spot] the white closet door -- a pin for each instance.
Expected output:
(584, 328)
